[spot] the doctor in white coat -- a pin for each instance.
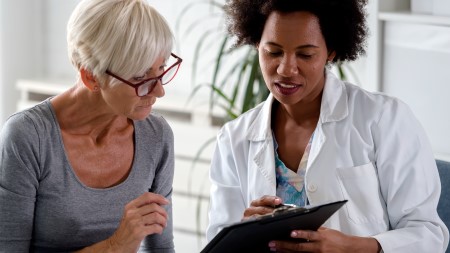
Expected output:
(317, 139)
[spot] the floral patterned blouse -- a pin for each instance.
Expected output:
(290, 185)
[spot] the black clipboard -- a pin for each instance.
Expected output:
(254, 235)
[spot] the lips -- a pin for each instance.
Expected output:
(148, 103)
(287, 88)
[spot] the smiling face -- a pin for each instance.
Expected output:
(122, 99)
(293, 55)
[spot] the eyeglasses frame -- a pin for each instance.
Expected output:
(137, 85)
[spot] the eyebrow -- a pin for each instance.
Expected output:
(151, 68)
(148, 70)
(299, 47)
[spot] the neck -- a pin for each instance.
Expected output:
(82, 112)
(304, 112)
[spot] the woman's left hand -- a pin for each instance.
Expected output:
(326, 240)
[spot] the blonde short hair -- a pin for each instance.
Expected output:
(122, 36)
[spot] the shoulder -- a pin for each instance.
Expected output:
(377, 102)
(245, 120)
(384, 115)
(339, 92)
(156, 121)
(154, 127)
(253, 125)
(36, 119)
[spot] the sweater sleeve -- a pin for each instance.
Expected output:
(162, 184)
(19, 177)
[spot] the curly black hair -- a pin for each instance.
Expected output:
(342, 22)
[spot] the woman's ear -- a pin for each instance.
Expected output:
(89, 80)
(331, 56)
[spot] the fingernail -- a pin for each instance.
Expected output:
(294, 234)
(271, 244)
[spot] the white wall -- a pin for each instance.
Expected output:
(55, 14)
(416, 69)
(20, 48)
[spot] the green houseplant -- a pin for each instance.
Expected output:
(236, 82)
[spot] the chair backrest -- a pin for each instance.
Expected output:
(444, 201)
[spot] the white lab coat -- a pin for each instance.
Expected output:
(368, 148)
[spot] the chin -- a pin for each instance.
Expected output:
(287, 100)
(141, 113)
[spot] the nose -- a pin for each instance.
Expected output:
(288, 66)
(158, 90)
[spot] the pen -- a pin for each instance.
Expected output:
(285, 205)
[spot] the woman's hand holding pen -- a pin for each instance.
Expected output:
(264, 205)
(322, 240)
(142, 216)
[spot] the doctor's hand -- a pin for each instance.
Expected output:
(326, 240)
(264, 205)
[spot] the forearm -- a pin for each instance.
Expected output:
(106, 246)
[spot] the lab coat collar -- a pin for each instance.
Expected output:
(260, 129)
(334, 107)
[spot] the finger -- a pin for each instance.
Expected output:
(289, 246)
(153, 229)
(250, 217)
(267, 201)
(322, 229)
(152, 208)
(307, 235)
(260, 210)
(155, 219)
(150, 197)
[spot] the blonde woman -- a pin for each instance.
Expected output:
(91, 169)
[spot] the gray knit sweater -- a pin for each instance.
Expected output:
(44, 207)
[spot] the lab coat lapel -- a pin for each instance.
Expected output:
(262, 170)
(334, 107)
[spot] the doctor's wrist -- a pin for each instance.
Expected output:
(366, 245)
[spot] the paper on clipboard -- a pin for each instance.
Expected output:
(254, 235)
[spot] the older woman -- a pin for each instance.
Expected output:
(317, 139)
(91, 169)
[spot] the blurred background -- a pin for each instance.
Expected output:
(408, 56)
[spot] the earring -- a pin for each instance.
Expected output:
(95, 88)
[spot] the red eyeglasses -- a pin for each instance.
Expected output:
(144, 87)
